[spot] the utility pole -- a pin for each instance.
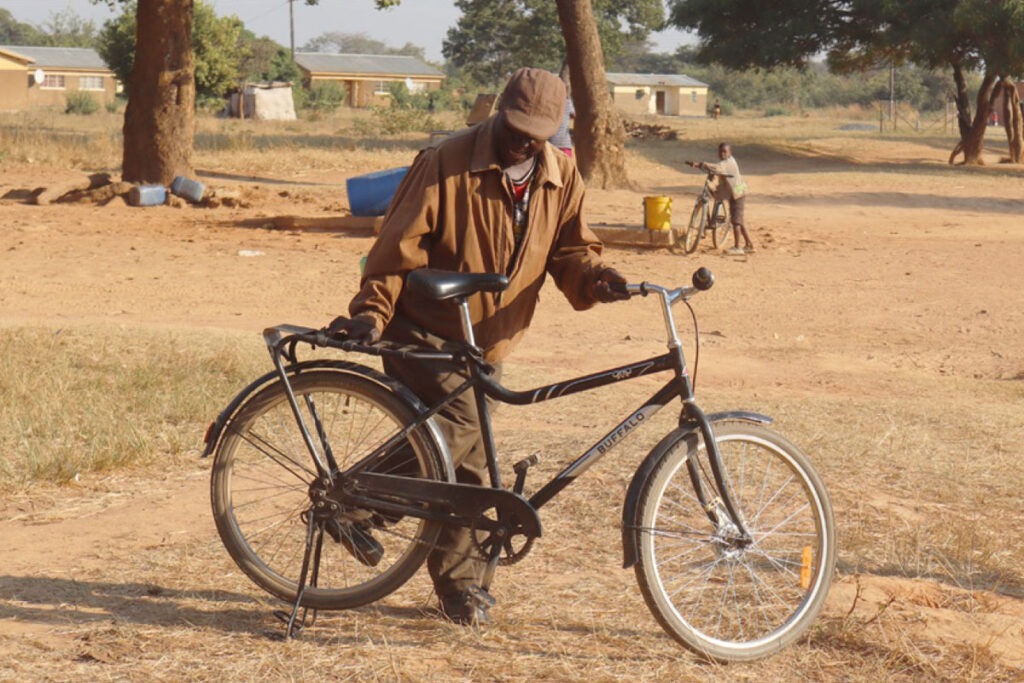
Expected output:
(291, 19)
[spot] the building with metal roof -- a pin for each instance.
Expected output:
(666, 94)
(367, 79)
(32, 76)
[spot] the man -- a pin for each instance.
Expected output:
(733, 190)
(493, 198)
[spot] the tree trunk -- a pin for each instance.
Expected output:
(963, 101)
(600, 135)
(971, 145)
(159, 122)
(1013, 120)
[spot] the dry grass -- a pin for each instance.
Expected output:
(81, 400)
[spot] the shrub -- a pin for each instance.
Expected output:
(81, 103)
(325, 97)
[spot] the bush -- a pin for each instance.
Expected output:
(324, 97)
(81, 103)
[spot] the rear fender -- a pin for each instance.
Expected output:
(216, 429)
(688, 430)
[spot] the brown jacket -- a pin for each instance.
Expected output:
(454, 211)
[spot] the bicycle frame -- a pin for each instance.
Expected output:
(468, 355)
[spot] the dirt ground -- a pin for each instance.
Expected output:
(882, 277)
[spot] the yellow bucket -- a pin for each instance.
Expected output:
(657, 213)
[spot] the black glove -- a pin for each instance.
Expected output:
(602, 290)
(359, 330)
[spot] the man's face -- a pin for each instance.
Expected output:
(512, 146)
(724, 152)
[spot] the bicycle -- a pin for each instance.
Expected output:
(727, 525)
(708, 215)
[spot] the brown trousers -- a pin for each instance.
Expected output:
(454, 564)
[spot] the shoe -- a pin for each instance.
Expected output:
(357, 540)
(464, 609)
(735, 250)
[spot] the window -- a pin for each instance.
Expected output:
(90, 83)
(693, 96)
(381, 88)
(54, 81)
(639, 93)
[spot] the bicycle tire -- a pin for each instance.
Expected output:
(695, 228)
(722, 225)
(260, 489)
(717, 599)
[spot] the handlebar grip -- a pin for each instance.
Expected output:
(619, 287)
(703, 279)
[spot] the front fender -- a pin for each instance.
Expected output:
(216, 429)
(689, 430)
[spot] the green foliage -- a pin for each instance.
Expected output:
(359, 44)
(492, 39)
(68, 29)
(62, 29)
(225, 54)
(324, 97)
(215, 43)
(14, 32)
(78, 102)
(116, 44)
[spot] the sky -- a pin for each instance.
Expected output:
(421, 22)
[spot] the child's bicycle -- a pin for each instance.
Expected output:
(330, 485)
(709, 215)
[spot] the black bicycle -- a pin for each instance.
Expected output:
(330, 485)
(709, 215)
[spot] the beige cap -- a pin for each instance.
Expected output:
(533, 102)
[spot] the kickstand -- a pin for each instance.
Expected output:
(314, 547)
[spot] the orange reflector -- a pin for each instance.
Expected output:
(805, 567)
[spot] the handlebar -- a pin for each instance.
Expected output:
(702, 280)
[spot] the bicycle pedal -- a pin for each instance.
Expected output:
(526, 463)
(481, 597)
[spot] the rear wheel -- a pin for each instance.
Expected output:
(721, 226)
(720, 596)
(264, 487)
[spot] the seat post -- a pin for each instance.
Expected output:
(467, 322)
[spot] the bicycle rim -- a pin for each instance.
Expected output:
(723, 227)
(720, 599)
(263, 476)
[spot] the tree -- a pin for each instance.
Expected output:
(359, 44)
(159, 121)
(218, 46)
(68, 29)
(493, 38)
(961, 35)
(600, 135)
(14, 32)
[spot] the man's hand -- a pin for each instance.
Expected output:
(359, 330)
(602, 289)
(695, 164)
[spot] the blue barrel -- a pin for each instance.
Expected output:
(187, 188)
(147, 195)
(370, 194)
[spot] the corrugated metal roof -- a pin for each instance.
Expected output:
(59, 57)
(676, 80)
(402, 65)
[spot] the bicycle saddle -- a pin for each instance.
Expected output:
(444, 284)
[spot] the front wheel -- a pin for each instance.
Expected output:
(695, 228)
(264, 487)
(719, 595)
